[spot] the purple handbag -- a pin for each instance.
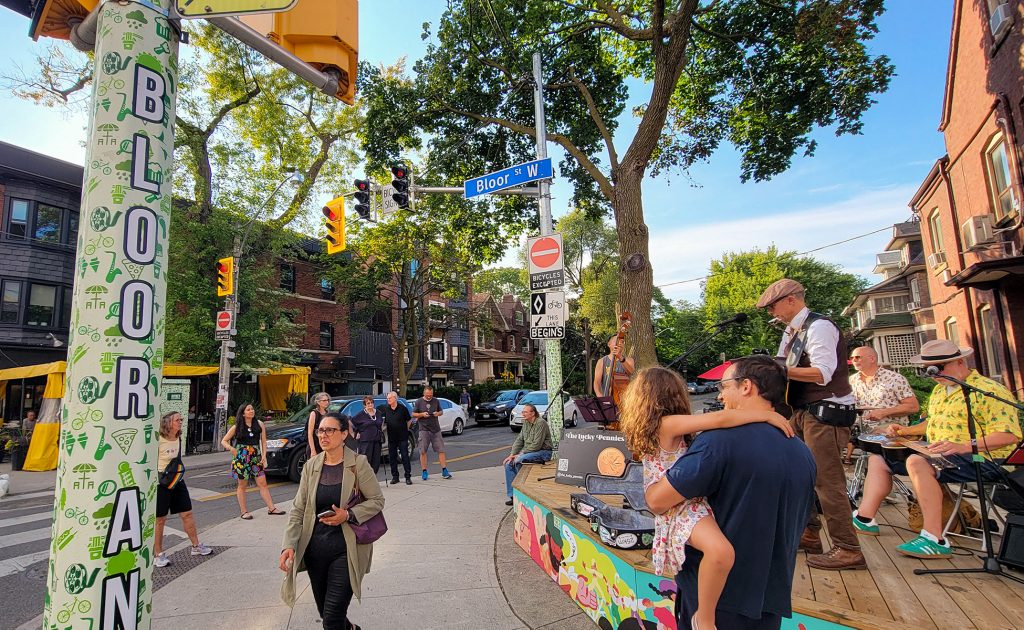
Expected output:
(370, 530)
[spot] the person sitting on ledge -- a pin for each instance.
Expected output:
(532, 445)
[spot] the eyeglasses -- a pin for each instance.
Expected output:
(327, 431)
(720, 385)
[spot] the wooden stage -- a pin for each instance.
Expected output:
(887, 596)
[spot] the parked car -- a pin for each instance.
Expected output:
(700, 388)
(498, 408)
(288, 448)
(453, 418)
(539, 399)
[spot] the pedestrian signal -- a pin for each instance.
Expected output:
(225, 276)
(334, 219)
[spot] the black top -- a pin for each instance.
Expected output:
(247, 434)
(317, 417)
(760, 485)
(396, 420)
(368, 427)
(430, 423)
(328, 541)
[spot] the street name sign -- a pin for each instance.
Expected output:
(547, 268)
(217, 8)
(508, 178)
(223, 326)
(547, 315)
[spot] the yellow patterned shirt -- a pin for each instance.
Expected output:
(947, 414)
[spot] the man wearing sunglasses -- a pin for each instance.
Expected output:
(815, 357)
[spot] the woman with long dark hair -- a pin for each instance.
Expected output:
(319, 538)
(250, 458)
(320, 402)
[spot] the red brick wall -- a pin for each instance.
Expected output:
(310, 312)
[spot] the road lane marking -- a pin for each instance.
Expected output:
(30, 495)
(20, 538)
(472, 455)
(28, 518)
(10, 566)
(251, 488)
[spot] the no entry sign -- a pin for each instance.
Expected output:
(547, 270)
(224, 325)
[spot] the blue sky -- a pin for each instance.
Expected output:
(853, 185)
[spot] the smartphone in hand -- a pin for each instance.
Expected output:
(325, 514)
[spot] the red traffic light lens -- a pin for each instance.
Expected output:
(400, 171)
(330, 214)
(221, 267)
(362, 185)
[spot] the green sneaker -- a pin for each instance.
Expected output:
(921, 547)
(863, 528)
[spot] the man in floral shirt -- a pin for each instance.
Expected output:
(883, 394)
(998, 430)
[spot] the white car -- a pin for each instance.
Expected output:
(453, 418)
(539, 399)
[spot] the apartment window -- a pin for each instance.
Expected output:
(526, 345)
(326, 336)
(326, 289)
(17, 224)
(10, 301)
(72, 229)
(42, 302)
(47, 224)
(479, 338)
(989, 347)
(520, 318)
(456, 355)
(436, 349)
(288, 277)
(1000, 183)
(65, 308)
(915, 290)
(891, 304)
(935, 231)
(511, 343)
(952, 332)
(405, 356)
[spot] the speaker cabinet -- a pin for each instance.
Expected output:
(1011, 551)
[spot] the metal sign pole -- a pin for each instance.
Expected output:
(552, 347)
(101, 563)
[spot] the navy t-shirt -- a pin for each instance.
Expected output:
(760, 485)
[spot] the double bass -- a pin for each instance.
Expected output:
(620, 380)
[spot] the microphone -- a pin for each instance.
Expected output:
(738, 318)
(932, 370)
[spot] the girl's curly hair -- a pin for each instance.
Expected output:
(654, 392)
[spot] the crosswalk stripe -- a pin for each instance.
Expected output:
(27, 495)
(28, 518)
(18, 564)
(21, 538)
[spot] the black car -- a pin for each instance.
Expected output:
(498, 408)
(288, 448)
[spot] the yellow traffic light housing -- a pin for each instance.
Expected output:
(323, 34)
(225, 276)
(53, 18)
(334, 219)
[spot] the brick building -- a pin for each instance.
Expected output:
(895, 315)
(39, 214)
(501, 339)
(969, 203)
(444, 354)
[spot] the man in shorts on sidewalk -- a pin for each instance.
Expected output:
(427, 410)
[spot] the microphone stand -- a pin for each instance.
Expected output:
(990, 564)
(697, 346)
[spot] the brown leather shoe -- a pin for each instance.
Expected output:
(810, 542)
(837, 559)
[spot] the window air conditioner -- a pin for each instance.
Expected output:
(977, 231)
(913, 306)
(1000, 20)
(936, 259)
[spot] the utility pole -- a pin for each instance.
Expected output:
(552, 364)
(226, 354)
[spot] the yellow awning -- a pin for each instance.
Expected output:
(280, 383)
(172, 369)
(31, 371)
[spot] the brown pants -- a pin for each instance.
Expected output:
(826, 443)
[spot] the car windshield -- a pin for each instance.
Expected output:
(504, 396)
(535, 398)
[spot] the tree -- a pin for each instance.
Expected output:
(737, 280)
(760, 75)
(499, 281)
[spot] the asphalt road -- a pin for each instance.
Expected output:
(25, 521)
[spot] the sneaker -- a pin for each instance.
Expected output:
(865, 529)
(161, 560)
(200, 550)
(445, 474)
(925, 548)
(424, 475)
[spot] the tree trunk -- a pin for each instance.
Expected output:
(636, 278)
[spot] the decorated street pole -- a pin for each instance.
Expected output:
(101, 558)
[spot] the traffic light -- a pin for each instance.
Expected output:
(401, 185)
(225, 276)
(363, 198)
(334, 218)
(323, 34)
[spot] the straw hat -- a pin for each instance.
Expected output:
(778, 290)
(940, 351)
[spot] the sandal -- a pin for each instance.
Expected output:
(246, 516)
(276, 512)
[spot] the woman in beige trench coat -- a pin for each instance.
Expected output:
(319, 538)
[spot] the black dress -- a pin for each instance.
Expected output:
(317, 417)
(326, 556)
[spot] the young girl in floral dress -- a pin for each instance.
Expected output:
(655, 420)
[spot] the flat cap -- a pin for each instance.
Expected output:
(778, 290)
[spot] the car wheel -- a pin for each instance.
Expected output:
(575, 419)
(457, 427)
(298, 461)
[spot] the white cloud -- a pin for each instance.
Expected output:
(682, 253)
